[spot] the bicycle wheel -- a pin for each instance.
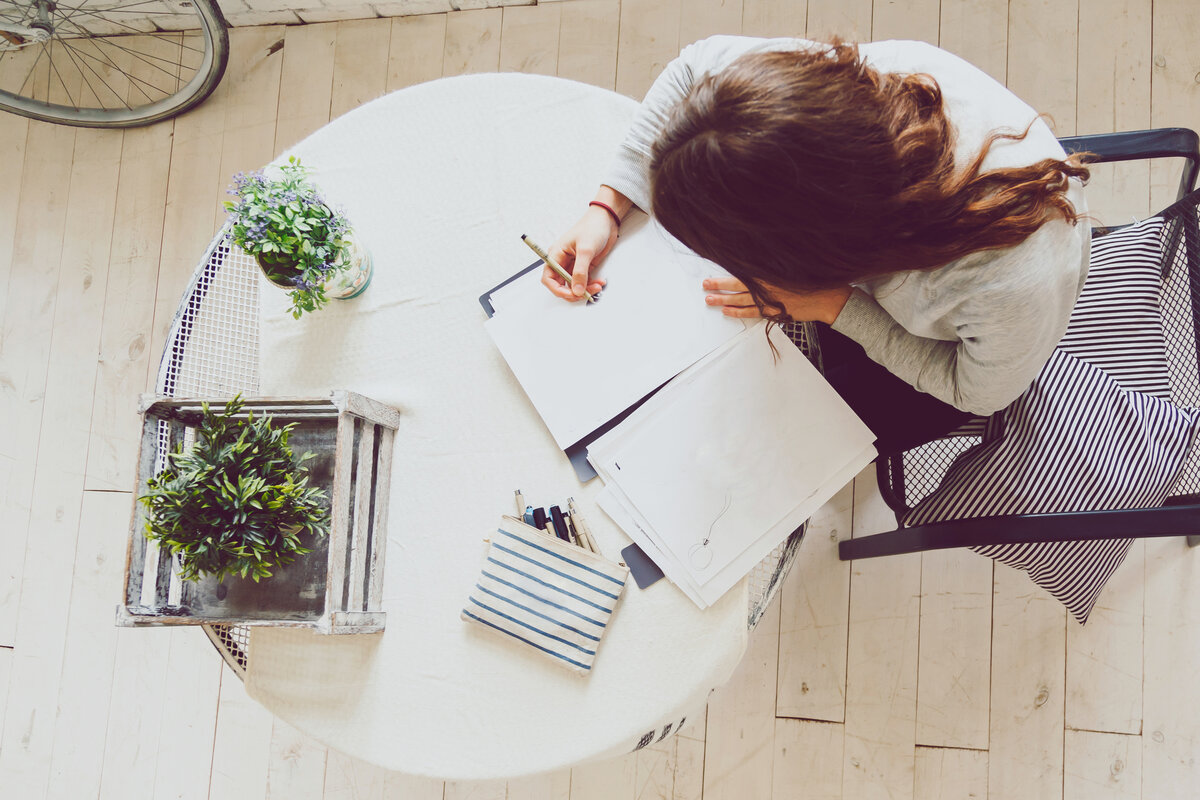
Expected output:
(109, 63)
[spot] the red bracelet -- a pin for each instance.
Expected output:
(616, 217)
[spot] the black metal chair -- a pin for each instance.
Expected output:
(906, 478)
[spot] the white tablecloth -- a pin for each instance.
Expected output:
(440, 180)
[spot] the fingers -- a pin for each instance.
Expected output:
(579, 273)
(733, 304)
(734, 299)
(724, 284)
(554, 283)
(742, 312)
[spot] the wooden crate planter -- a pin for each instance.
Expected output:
(337, 588)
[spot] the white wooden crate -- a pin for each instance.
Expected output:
(337, 588)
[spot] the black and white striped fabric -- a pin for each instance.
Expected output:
(554, 598)
(1117, 322)
(1095, 431)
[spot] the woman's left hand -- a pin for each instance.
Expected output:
(734, 300)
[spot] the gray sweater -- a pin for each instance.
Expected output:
(974, 332)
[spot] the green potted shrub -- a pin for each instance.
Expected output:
(300, 242)
(236, 502)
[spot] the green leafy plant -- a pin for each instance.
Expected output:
(236, 501)
(286, 224)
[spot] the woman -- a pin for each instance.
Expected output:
(890, 191)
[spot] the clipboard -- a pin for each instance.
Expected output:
(577, 452)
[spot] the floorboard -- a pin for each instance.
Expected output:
(881, 660)
(944, 773)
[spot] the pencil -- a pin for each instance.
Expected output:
(554, 265)
(573, 532)
(581, 527)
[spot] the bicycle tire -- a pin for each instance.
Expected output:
(213, 31)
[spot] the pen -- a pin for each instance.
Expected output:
(520, 503)
(571, 532)
(539, 519)
(560, 525)
(528, 516)
(580, 526)
(554, 265)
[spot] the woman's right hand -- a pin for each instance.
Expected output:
(577, 251)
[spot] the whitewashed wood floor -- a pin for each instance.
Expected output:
(913, 677)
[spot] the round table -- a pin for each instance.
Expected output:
(439, 181)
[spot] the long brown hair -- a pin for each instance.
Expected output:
(808, 169)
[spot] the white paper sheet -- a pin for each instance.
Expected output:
(724, 580)
(740, 449)
(650, 324)
(616, 506)
(619, 509)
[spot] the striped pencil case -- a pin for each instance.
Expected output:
(552, 597)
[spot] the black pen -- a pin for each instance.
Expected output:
(560, 526)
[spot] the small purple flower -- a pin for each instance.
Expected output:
(312, 237)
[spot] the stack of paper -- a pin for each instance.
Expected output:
(733, 453)
(729, 458)
(650, 323)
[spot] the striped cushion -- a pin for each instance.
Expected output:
(1075, 440)
(1095, 431)
(1117, 322)
(545, 595)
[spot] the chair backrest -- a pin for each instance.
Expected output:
(1180, 306)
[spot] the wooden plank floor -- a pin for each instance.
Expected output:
(915, 677)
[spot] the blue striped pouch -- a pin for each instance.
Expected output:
(538, 590)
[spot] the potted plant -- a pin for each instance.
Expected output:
(300, 243)
(236, 502)
(221, 499)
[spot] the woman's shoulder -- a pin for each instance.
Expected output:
(950, 70)
(977, 104)
(1046, 268)
(1043, 274)
(714, 53)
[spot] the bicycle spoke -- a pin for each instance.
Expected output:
(139, 55)
(126, 9)
(66, 91)
(92, 69)
(153, 34)
(15, 17)
(64, 18)
(143, 12)
(100, 14)
(134, 80)
(79, 66)
(32, 69)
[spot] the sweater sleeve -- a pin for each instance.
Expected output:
(629, 171)
(1005, 329)
(953, 372)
